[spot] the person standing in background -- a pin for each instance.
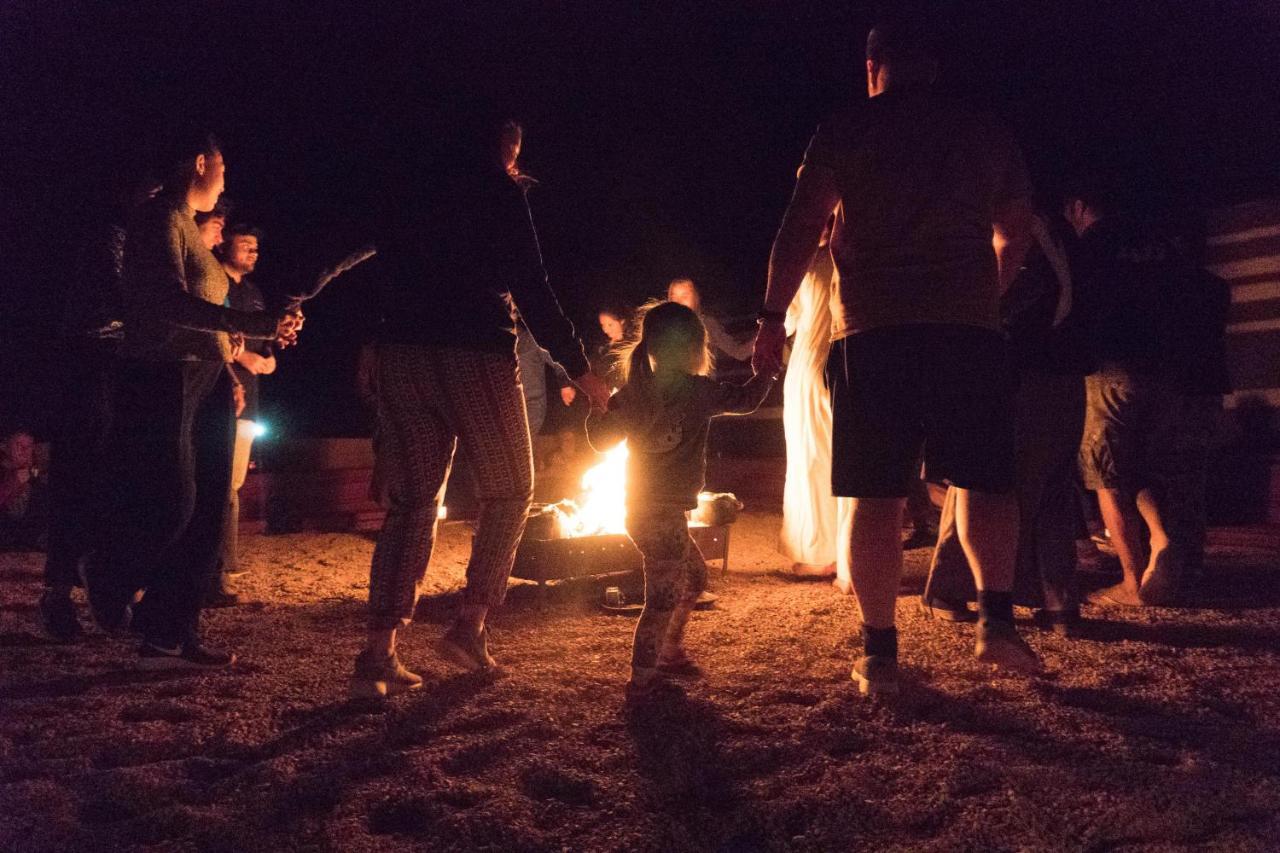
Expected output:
(239, 256)
(684, 292)
(810, 513)
(89, 343)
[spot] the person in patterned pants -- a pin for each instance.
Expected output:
(447, 375)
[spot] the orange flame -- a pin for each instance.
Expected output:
(602, 506)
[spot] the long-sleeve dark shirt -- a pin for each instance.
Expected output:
(667, 443)
(174, 289)
(93, 309)
(454, 270)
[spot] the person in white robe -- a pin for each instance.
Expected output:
(811, 517)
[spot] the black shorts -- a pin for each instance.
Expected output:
(900, 393)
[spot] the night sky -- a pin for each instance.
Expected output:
(666, 144)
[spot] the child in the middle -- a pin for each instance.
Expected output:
(664, 412)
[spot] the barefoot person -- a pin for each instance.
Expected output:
(664, 413)
(918, 364)
(810, 513)
(1130, 302)
(456, 255)
(1049, 420)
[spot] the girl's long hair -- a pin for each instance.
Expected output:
(670, 334)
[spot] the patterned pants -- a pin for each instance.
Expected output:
(674, 575)
(430, 399)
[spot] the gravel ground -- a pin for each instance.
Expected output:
(1160, 731)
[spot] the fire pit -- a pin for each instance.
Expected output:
(587, 537)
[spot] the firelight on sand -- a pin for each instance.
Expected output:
(602, 506)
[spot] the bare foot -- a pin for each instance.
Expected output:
(809, 570)
(1119, 595)
(1159, 586)
(844, 586)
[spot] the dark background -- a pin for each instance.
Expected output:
(666, 142)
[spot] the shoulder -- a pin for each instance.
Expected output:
(840, 126)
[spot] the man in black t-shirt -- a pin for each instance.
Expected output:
(239, 256)
(1133, 292)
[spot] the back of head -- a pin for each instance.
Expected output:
(905, 46)
(673, 336)
(176, 153)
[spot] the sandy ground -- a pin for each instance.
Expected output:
(1159, 732)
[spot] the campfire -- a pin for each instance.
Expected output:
(587, 535)
(601, 508)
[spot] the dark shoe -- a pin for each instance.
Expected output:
(108, 605)
(58, 616)
(377, 677)
(875, 675)
(681, 667)
(467, 650)
(654, 689)
(998, 643)
(1064, 623)
(921, 537)
(948, 611)
(190, 655)
(223, 599)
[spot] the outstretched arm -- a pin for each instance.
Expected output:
(742, 399)
(606, 428)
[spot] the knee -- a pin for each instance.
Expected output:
(516, 499)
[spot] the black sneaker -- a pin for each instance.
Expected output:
(189, 655)
(875, 675)
(58, 616)
(377, 677)
(998, 643)
(467, 650)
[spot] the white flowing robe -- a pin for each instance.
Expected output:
(811, 516)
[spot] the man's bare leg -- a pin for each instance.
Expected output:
(987, 525)
(1121, 517)
(875, 545)
(988, 528)
(1158, 584)
(875, 549)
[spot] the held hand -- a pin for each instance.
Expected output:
(237, 346)
(595, 389)
(767, 355)
(568, 394)
(287, 329)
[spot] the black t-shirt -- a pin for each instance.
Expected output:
(1125, 276)
(246, 296)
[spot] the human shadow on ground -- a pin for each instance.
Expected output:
(1226, 734)
(76, 685)
(1183, 635)
(677, 740)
